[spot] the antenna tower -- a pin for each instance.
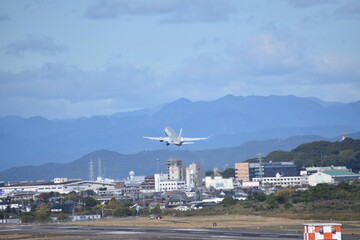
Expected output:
(91, 170)
(99, 168)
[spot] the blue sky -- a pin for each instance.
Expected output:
(70, 59)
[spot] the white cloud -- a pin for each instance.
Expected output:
(338, 68)
(71, 91)
(57, 80)
(267, 64)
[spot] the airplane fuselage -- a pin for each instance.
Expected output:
(173, 138)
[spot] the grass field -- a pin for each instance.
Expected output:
(222, 221)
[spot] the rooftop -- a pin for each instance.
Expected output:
(340, 173)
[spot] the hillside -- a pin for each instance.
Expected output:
(321, 153)
(230, 121)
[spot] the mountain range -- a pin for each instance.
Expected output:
(229, 121)
(117, 166)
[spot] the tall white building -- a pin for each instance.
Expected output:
(194, 176)
(159, 177)
(175, 169)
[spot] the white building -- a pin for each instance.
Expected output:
(218, 182)
(175, 172)
(194, 176)
(279, 180)
(162, 183)
(332, 177)
(62, 187)
(159, 177)
(170, 185)
(311, 170)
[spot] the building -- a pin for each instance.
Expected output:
(159, 177)
(171, 162)
(242, 171)
(162, 183)
(218, 182)
(175, 169)
(62, 187)
(249, 171)
(311, 170)
(332, 177)
(176, 172)
(133, 180)
(194, 176)
(283, 181)
(171, 185)
(148, 186)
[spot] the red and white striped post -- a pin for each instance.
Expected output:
(322, 231)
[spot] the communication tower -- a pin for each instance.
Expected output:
(91, 170)
(99, 168)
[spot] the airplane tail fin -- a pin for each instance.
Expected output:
(180, 133)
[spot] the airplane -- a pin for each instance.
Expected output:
(173, 138)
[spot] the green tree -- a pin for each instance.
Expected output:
(156, 209)
(62, 216)
(113, 204)
(229, 201)
(209, 173)
(228, 173)
(259, 196)
(90, 193)
(122, 211)
(90, 203)
(42, 214)
(27, 217)
(72, 196)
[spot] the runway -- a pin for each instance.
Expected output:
(68, 232)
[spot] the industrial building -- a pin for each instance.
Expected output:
(332, 177)
(248, 171)
(59, 185)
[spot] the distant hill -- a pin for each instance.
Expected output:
(118, 165)
(322, 153)
(230, 121)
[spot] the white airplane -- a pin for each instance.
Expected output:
(173, 138)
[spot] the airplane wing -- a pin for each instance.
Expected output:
(165, 139)
(193, 139)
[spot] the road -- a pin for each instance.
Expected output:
(68, 232)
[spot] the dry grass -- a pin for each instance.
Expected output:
(222, 221)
